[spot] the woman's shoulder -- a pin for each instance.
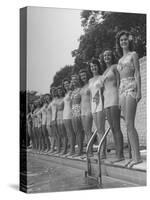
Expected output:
(114, 67)
(94, 78)
(91, 79)
(49, 106)
(134, 54)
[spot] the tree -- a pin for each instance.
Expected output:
(100, 29)
(65, 72)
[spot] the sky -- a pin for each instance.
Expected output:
(52, 33)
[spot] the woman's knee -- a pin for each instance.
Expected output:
(116, 127)
(101, 127)
(101, 131)
(130, 126)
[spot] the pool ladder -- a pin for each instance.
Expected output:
(88, 173)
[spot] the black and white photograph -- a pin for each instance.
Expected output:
(83, 99)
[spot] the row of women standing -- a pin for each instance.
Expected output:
(113, 88)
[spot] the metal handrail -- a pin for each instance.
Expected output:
(99, 178)
(88, 147)
(98, 152)
(99, 156)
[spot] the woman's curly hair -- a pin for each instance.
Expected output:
(64, 80)
(118, 47)
(96, 62)
(113, 58)
(84, 70)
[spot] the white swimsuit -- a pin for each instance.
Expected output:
(111, 96)
(49, 114)
(54, 109)
(85, 100)
(44, 115)
(67, 113)
(94, 88)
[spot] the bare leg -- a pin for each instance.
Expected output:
(115, 115)
(42, 138)
(53, 137)
(31, 136)
(36, 138)
(47, 139)
(78, 129)
(85, 134)
(110, 121)
(59, 137)
(34, 143)
(132, 133)
(87, 126)
(70, 135)
(39, 139)
(74, 129)
(100, 125)
(49, 134)
(65, 138)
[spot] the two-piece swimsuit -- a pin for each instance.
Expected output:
(128, 85)
(110, 89)
(76, 108)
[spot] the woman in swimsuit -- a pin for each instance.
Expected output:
(54, 130)
(33, 127)
(97, 102)
(30, 123)
(86, 115)
(60, 125)
(76, 113)
(111, 100)
(48, 122)
(36, 123)
(129, 90)
(40, 133)
(67, 116)
(43, 112)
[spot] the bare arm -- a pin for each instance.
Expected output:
(117, 75)
(38, 112)
(137, 75)
(62, 104)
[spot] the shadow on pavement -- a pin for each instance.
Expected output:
(14, 186)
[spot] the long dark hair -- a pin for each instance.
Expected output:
(61, 88)
(51, 92)
(84, 70)
(118, 47)
(113, 58)
(64, 80)
(76, 75)
(96, 62)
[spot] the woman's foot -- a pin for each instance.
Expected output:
(127, 162)
(71, 153)
(51, 151)
(47, 150)
(57, 152)
(103, 156)
(63, 152)
(133, 162)
(118, 160)
(90, 154)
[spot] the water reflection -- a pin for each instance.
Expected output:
(43, 176)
